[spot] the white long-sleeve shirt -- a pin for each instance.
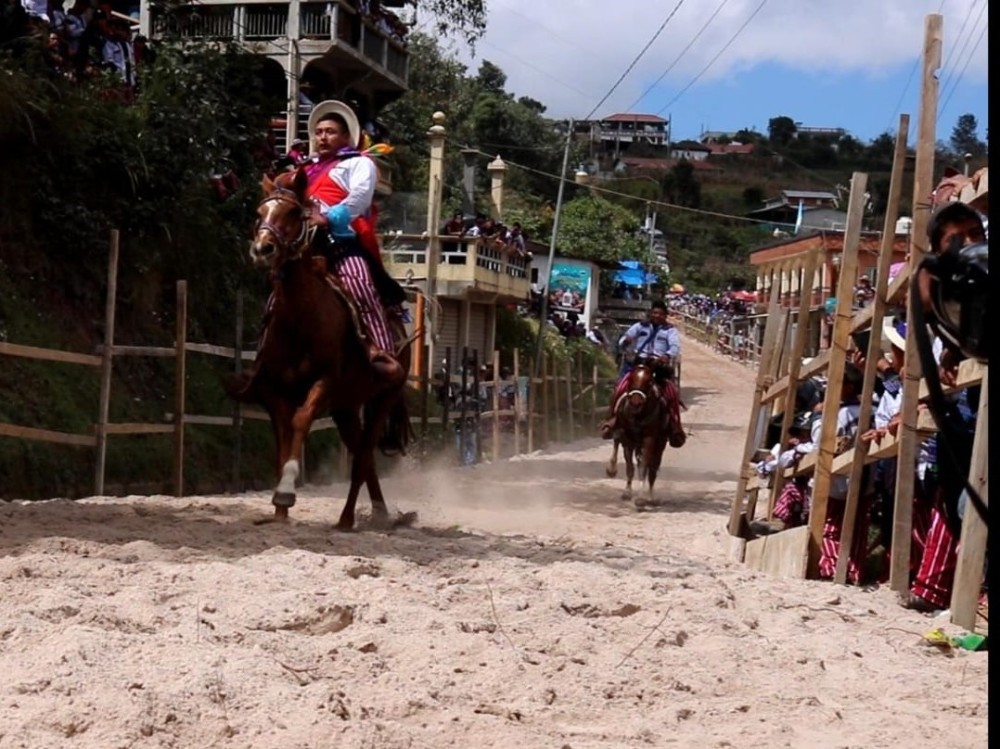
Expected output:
(358, 176)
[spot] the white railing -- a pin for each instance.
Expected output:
(475, 252)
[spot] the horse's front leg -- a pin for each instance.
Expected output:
(650, 465)
(612, 468)
(301, 422)
(629, 454)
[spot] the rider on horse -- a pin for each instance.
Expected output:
(342, 183)
(656, 342)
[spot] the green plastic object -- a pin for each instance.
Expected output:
(970, 641)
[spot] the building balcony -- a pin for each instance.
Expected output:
(351, 44)
(469, 268)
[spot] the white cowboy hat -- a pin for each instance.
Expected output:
(894, 331)
(337, 107)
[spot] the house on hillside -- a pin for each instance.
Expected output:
(820, 210)
(691, 150)
(730, 149)
(780, 263)
(617, 132)
(346, 49)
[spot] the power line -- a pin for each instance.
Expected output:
(637, 58)
(961, 30)
(682, 53)
(951, 81)
(906, 86)
(717, 56)
(537, 69)
(968, 59)
(607, 191)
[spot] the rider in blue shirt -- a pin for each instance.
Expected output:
(654, 339)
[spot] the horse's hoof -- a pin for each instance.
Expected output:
(611, 472)
(280, 515)
(626, 495)
(345, 527)
(282, 501)
(405, 519)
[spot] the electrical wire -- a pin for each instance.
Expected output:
(714, 59)
(679, 56)
(951, 81)
(607, 191)
(906, 86)
(637, 58)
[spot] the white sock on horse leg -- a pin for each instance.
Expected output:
(288, 476)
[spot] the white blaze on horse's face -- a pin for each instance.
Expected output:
(265, 241)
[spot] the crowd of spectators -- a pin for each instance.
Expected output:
(92, 38)
(507, 238)
(382, 18)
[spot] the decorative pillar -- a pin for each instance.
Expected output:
(497, 170)
(436, 135)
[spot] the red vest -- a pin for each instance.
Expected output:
(323, 188)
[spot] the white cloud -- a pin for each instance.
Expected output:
(568, 53)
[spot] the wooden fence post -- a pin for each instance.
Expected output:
(238, 407)
(569, 400)
(496, 406)
(180, 394)
(975, 532)
(579, 392)
(557, 412)
(823, 475)
(100, 429)
(517, 403)
(593, 398)
(923, 183)
(544, 390)
(531, 405)
(860, 448)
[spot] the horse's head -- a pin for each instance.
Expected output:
(282, 220)
(640, 387)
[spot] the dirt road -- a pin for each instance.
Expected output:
(529, 607)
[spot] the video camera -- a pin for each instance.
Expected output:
(958, 290)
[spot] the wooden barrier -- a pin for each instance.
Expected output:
(781, 552)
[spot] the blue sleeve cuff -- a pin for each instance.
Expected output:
(340, 221)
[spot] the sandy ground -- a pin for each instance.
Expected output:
(528, 607)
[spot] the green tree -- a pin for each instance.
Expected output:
(781, 130)
(594, 229)
(681, 187)
(965, 138)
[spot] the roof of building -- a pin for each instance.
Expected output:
(724, 149)
(630, 117)
(644, 162)
(690, 145)
(808, 194)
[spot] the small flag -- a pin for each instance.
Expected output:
(798, 219)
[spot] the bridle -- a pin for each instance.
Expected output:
(289, 248)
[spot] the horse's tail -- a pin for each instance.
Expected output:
(398, 430)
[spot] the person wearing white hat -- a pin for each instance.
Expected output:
(342, 187)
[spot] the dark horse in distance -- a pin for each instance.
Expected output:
(648, 418)
(310, 360)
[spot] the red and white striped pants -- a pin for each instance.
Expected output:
(354, 273)
(938, 558)
(830, 546)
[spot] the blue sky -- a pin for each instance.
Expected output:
(732, 64)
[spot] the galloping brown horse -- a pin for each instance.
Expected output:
(310, 360)
(642, 429)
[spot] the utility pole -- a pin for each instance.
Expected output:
(543, 317)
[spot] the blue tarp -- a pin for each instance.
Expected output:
(632, 274)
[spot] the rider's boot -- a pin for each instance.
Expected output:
(388, 370)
